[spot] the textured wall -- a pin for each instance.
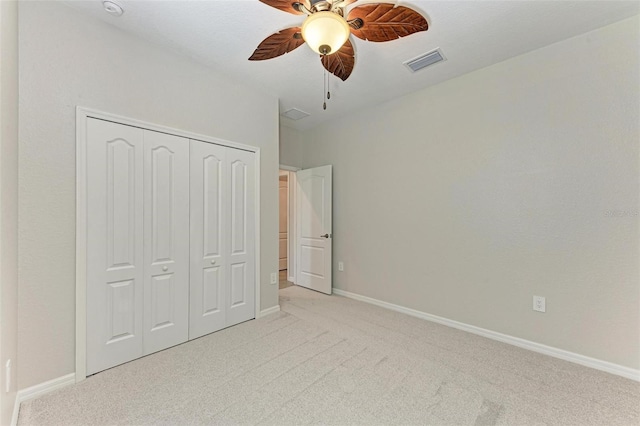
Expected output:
(67, 59)
(8, 202)
(466, 199)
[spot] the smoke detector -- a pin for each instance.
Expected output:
(112, 8)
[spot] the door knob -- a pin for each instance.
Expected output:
(213, 261)
(325, 236)
(165, 268)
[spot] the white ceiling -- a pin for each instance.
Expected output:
(222, 34)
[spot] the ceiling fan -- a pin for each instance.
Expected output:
(326, 30)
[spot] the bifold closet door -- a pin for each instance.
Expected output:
(222, 238)
(166, 241)
(241, 248)
(209, 236)
(115, 261)
(137, 242)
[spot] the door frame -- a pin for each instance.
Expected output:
(292, 258)
(82, 114)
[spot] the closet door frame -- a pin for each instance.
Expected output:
(82, 115)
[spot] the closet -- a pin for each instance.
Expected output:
(170, 240)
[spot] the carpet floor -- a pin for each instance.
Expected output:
(331, 360)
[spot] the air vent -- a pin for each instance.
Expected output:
(425, 60)
(295, 114)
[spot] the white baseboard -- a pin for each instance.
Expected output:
(39, 390)
(268, 311)
(609, 367)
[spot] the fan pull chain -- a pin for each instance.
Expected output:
(324, 88)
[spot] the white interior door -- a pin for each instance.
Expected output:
(313, 214)
(209, 236)
(284, 225)
(241, 213)
(166, 241)
(115, 265)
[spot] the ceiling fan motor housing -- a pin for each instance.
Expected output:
(320, 5)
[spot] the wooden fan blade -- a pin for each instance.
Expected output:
(287, 5)
(278, 44)
(340, 63)
(384, 22)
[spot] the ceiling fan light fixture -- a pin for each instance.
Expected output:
(325, 32)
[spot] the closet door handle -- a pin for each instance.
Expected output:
(213, 261)
(325, 236)
(165, 268)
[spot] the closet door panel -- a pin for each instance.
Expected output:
(209, 235)
(166, 239)
(241, 186)
(114, 244)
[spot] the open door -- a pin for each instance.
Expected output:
(313, 214)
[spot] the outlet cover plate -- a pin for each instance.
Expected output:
(539, 304)
(340, 266)
(274, 278)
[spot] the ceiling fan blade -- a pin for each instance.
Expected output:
(340, 63)
(278, 44)
(287, 5)
(384, 22)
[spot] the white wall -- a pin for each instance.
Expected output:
(466, 199)
(290, 147)
(8, 202)
(67, 59)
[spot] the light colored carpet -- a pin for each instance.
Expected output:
(332, 360)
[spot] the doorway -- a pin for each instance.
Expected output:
(305, 246)
(286, 255)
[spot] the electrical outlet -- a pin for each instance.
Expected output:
(7, 375)
(274, 278)
(340, 266)
(539, 304)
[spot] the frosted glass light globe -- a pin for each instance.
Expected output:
(325, 32)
